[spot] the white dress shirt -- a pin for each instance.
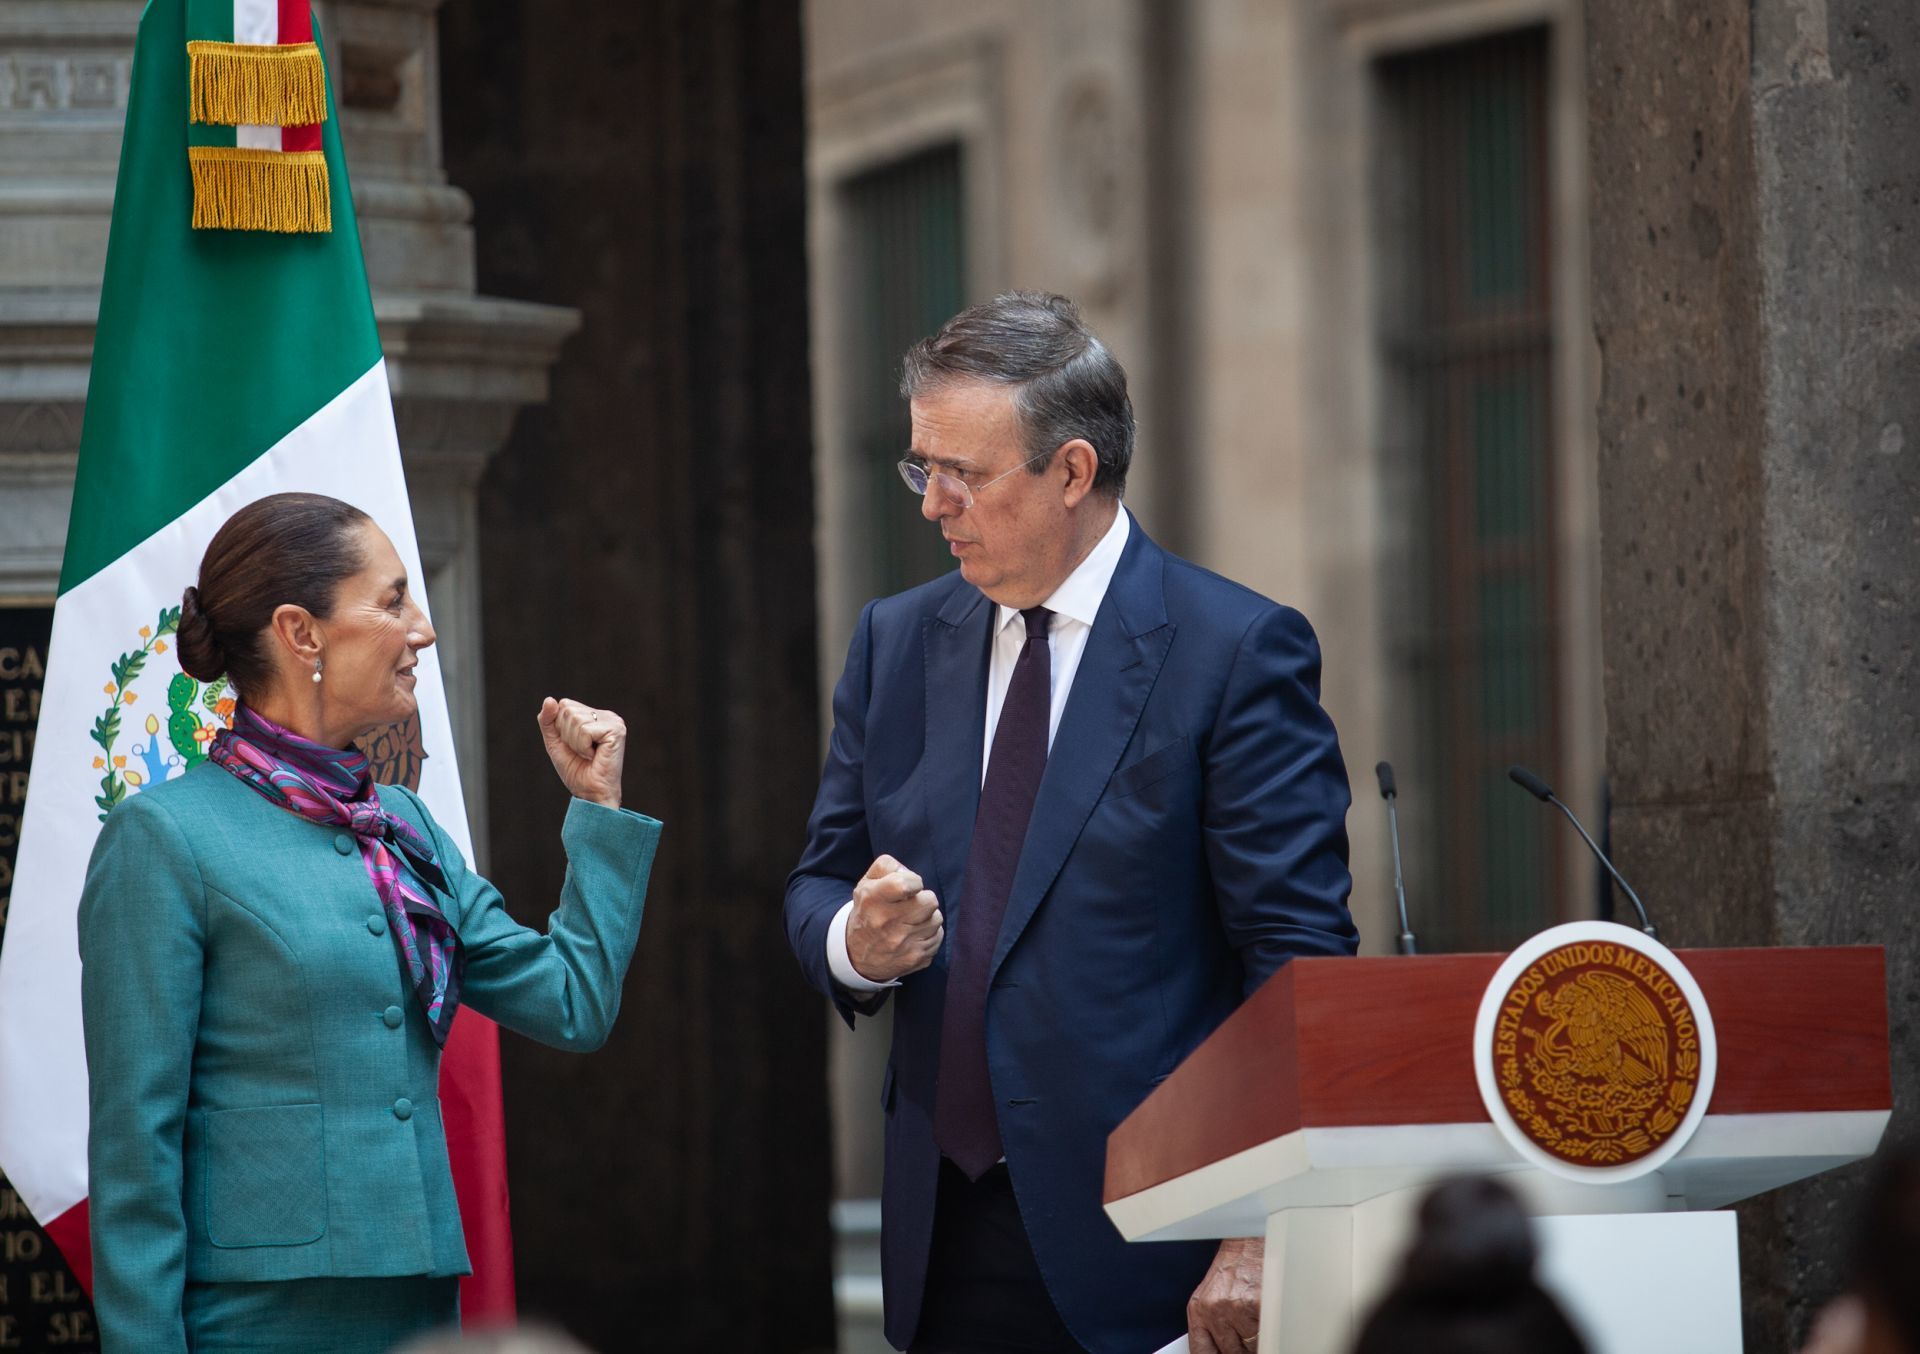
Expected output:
(1074, 604)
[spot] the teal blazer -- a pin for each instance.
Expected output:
(264, 1087)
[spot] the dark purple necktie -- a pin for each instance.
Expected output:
(964, 1123)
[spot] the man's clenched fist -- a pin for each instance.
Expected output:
(895, 927)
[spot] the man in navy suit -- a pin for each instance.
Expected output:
(1080, 801)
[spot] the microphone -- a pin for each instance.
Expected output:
(1388, 792)
(1543, 792)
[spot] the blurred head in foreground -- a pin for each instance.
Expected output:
(1880, 1312)
(531, 1338)
(1886, 1258)
(1467, 1285)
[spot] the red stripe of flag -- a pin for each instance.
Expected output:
(475, 1123)
(296, 23)
(69, 1233)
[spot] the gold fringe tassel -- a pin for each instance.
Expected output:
(235, 84)
(238, 188)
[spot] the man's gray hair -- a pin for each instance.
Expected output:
(1065, 382)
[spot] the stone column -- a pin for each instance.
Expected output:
(64, 70)
(1756, 175)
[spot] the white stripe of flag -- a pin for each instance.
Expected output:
(257, 23)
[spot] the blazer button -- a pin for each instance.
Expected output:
(377, 924)
(343, 843)
(403, 1108)
(393, 1015)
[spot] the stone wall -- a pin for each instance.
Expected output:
(1756, 175)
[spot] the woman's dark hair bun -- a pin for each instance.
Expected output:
(199, 651)
(285, 549)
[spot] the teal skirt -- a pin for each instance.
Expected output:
(317, 1316)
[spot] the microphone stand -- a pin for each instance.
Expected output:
(1645, 923)
(1543, 792)
(1384, 773)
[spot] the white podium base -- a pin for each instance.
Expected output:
(1634, 1283)
(1646, 1283)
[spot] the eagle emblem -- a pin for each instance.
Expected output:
(174, 743)
(1597, 1053)
(1603, 1026)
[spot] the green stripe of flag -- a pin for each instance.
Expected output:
(212, 345)
(212, 134)
(210, 20)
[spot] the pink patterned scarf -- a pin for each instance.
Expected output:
(335, 788)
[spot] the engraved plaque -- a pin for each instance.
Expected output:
(41, 1304)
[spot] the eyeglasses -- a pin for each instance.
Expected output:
(919, 479)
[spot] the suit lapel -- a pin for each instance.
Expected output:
(1122, 660)
(955, 644)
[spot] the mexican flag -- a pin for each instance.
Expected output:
(236, 357)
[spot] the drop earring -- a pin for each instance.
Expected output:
(316, 672)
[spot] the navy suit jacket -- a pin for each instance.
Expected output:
(1188, 839)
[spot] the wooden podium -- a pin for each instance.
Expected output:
(1316, 1115)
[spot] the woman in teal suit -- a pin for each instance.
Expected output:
(274, 948)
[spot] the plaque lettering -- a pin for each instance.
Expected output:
(22, 664)
(42, 1305)
(53, 1285)
(73, 1330)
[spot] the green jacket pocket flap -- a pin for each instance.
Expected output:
(266, 1176)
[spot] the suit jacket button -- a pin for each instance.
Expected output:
(343, 843)
(377, 924)
(393, 1015)
(403, 1108)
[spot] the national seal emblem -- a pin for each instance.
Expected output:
(1594, 1051)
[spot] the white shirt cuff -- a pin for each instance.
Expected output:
(841, 963)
